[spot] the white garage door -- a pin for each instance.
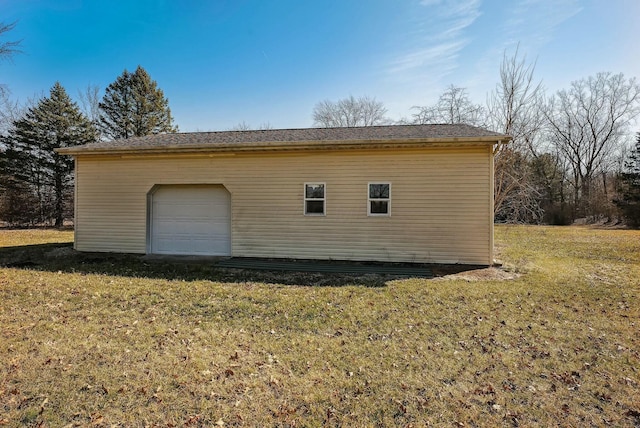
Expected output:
(191, 220)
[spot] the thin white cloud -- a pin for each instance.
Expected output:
(437, 37)
(440, 56)
(536, 20)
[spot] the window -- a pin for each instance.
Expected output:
(379, 200)
(314, 198)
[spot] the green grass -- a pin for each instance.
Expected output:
(116, 341)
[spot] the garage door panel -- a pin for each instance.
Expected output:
(189, 246)
(192, 220)
(191, 210)
(169, 228)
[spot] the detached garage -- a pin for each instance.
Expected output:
(409, 193)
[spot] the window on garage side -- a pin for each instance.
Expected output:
(379, 199)
(314, 198)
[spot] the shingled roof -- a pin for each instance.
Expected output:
(292, 139)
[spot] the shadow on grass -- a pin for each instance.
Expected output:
(57, 257)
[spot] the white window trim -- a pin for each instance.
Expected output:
(369, 199)
(305, 199)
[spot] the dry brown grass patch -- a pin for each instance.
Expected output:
(114, 342)
(484, 274)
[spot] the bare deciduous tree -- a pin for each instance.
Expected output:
(244, 126)
(90, 103)
(453, 106)
(10, 110)
(514, 106)
(8, 49)
(10, 190)
(514, 109)
(588, 123)
(349, 112)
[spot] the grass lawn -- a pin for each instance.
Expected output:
(88, 340)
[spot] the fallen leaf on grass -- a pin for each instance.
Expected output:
(193, 420)
(633, 413)
(96, 419)
(485, 390)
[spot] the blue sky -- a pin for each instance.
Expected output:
(270, 61)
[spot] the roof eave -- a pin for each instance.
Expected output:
(282, 146)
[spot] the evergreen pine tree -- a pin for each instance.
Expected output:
(56, 121)
(628, 200)
(134, 106)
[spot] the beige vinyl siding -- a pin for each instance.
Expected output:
(440, 202)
